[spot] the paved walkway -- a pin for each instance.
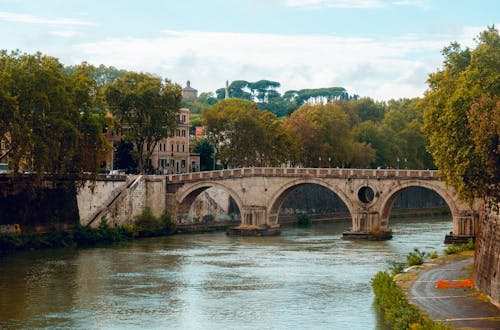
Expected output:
(458, 307)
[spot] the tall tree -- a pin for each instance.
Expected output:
(244, 135)
(206, 151)
(462, 120)
(324, 133)
(51, 119)
(146, 109)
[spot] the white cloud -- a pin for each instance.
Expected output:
(360, 4)
(31, 19)
(415, 3)
(66, 33)
(369, 67)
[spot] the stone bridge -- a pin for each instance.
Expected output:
(368, 194)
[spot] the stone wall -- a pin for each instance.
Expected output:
(37, 208)
(92, 197)
(211, 201)
(487, 260)
(120, 201)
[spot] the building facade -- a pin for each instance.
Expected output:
(189, 92)
(173, 154)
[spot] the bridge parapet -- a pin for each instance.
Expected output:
(303, 172)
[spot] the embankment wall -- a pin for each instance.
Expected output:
(487, 260)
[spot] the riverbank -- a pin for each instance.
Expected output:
(456, 307)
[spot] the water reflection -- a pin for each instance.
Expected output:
(305, 278)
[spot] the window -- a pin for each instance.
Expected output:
(183, 133)
(3, 145)
(183, 163)
(178, 132)
(183, 118)
(182, 148)
(177, 148)
(172, 147)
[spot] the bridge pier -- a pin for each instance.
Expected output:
(255, 222)
(369, 226)
(465, 227)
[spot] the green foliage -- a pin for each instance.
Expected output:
(87, 236)
(457, 248)
(303, 220)
(433, 255)
(398, 312)
(125, 157)
(79, 237)
(206, 151)
(324, 137)
(51, 120)
(397, 267)
(147, 224)
(462, 117)
(416, 257)
(146, 109)
(167, 225)
(243, 135)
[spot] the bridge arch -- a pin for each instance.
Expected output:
(186, 198)
(281, 194)
(387, 201)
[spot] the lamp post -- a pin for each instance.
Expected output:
(329, 161)
(215, 155)
(319, 161)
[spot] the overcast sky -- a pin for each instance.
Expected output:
(378, 48)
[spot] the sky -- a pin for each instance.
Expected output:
(381, 49)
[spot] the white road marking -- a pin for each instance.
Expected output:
(441, 297)
(493, 318)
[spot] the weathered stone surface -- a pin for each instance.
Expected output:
(487, 260)
(265, 189)
(120, 202)
(211, 201)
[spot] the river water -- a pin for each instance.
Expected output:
(304, 279)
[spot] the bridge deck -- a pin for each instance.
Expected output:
(304, 172)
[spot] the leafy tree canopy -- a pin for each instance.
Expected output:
(51, 119)
(146, 109)
(243, 135)
(462, 117)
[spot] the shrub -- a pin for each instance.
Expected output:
(457, 248)
(433, 255)
(146, 223)
(416, 257)
(398, 312)
(303, 220)
(166, 224)
(396, 267)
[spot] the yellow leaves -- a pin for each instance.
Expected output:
(461, 117)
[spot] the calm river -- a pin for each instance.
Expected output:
(303, 279)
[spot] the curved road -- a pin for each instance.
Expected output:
(460, 307)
